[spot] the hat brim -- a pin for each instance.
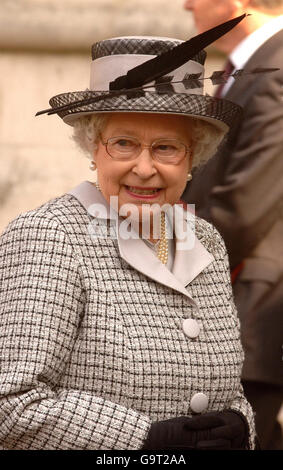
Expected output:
(218, 112)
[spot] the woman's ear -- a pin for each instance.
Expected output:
(191, 156)
(94, 150)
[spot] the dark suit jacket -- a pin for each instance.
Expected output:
(240, 190)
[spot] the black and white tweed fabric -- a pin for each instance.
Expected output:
(92, 350)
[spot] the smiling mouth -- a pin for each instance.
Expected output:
(143, 191)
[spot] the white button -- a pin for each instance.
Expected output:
(191, 328)
(199, 402)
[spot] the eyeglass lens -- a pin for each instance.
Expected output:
(165, 150)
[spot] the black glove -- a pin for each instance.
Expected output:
(170, 434)
(220, 430)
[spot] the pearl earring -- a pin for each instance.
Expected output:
(97, 186)
(92, 165)
(189, 177)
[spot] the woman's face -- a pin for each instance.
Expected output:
(116, 178)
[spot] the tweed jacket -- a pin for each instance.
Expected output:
(92, 344)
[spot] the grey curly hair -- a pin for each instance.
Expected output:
(205, 137)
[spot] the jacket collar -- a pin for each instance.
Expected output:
(191, 257)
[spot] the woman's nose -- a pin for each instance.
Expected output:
(144, 165)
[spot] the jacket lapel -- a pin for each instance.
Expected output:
(191, 257)
(136, 253)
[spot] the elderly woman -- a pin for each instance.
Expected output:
(112, 339)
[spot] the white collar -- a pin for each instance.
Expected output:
(248, 46)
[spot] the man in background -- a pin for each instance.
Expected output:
(240, 191)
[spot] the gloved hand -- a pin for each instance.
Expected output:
(220, 430)
(170, 434)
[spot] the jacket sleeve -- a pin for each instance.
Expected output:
(239, 402)
(249, 197)
(42, 302)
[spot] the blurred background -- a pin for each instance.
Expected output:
(45, 50)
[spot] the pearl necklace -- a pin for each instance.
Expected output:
(162, 253)
(163, 242)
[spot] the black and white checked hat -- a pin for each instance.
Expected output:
(135, 74)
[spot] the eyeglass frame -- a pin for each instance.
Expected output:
(187, 149)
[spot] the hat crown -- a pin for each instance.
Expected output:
(141, 45)
(114, 57)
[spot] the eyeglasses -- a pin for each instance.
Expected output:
(125, 148)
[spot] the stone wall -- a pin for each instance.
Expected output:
(75, 24)
(45, 50)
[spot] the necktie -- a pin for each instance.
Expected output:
(229, 67)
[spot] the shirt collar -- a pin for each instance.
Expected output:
(248, 46)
